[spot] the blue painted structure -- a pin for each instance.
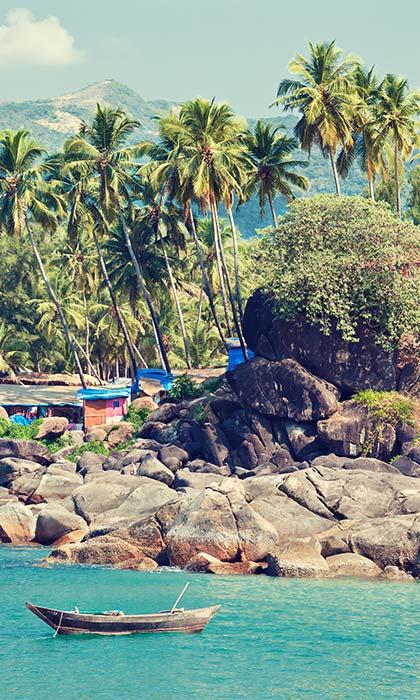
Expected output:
(103, 394)
(165, 378)
(235, 354)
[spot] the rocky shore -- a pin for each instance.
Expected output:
(282, 471)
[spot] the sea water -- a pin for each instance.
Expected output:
(273, 638)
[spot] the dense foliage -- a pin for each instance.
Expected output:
(123, 249)
(341, 261)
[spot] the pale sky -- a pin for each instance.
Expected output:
(235, 50)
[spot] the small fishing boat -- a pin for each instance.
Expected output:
(117, 622)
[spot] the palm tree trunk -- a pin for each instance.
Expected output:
(236, 262)
(204, 277)
(371, 188)
(87, 336)
(236, 320)
(397, 180)
(273, 211)
(177, 302)
(118, 313)
(214, 218)
(146, 295)
(56, 303)
(335, 172)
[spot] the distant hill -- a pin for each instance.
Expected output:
(53, 120)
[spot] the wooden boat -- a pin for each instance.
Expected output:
(116, 622)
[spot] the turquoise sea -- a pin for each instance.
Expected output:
(273, 638)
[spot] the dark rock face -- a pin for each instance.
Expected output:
(350, 366)
(350, 432)
(284, 389)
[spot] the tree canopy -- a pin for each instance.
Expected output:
(345, 261)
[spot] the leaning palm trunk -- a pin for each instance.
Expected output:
(204, 277)
(146, 295)
(56, 303)
(335, 171)
(177, 302)
(236, 262)
(273, 211)
(397, 180)
(86, 351)
(214, 218)
(225, 271)
(117, 310)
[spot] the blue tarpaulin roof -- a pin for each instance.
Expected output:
(99, 394)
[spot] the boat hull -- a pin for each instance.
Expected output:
(64, 622)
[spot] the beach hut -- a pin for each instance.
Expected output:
(104, 405)
(36, 401)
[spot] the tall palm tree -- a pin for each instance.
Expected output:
(211, 151)
(323, 93)
(26, 198)
(164, 170)
(164, 219)
(364, 146)
(272, 168)
(13, 350)
(101, 152)
(86, 216)
(397, 110)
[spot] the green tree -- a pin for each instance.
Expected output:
(413, 201)
(102, 154)
(323, 93)
(25, 198)
(272, 170)
(344, 261)
(398, 108)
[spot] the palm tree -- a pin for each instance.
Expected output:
(323, 93)
(164, 219)
(164, 170)
(272, 169)
(396, 115)
(100, 152)
(86, 216)
(13, 350)
(364, 146)
(26, 198)
(211, 152)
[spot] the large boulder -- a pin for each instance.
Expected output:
(299, 558)
(341, 494)
(56, 485)
(352, 432)
(349, 564)
(51, 428)
(54, 521)
(11, 468)
(284, 389)
(25, 449)
(184, 478)
(144, 403)
(99, 495)
(219, 522)
(105, 550)
(154, 469)
(352, 366)
(393, 540)
(17, 523)
(121, 433)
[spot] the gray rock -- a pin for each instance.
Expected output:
(90, 461)
(25, 449)
(55, 485)
(17, 524)
(12, 467)
(154, 469)
(173, 452)
(103, 492)
(165, 413)
(147, 498)
(370, 464)
(414, 454)
(136, 456)
(284, 389)
(350, 564)
(51, 428)
(302, 437)
(54, 521)
(300, 558)
(407, 466)
(195, 480)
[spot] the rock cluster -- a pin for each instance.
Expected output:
(270, 474)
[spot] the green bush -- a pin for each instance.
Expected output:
(97, 447)
(11, 430)
(339, 261)
(388, 406)
(183, 388)
(136, 418)
(209, 386)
